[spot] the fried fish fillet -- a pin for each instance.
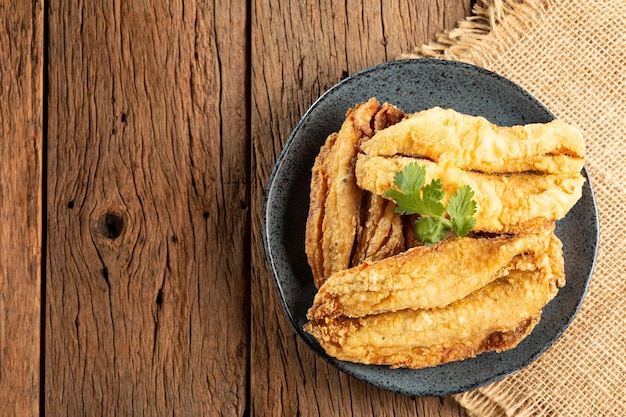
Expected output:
(474, 143)
(494, 318)
(381, 233)
(432, 277)
(506, 203)
(335, 199)
(338, 217)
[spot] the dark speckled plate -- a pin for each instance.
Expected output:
(415, 85)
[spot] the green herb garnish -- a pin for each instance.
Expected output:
(414, 197)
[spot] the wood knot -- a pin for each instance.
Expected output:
(111, 225)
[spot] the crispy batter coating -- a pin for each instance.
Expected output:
(335, 226)
(495, 317)
(511, 203)
(474, 143)
(388, 115)
(314, 224)
(335, 198)
(381, 234)
(432, 277)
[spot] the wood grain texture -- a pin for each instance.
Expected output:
(300, 49)
(21, 145)
(148, 208)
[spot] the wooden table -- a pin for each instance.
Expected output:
(137, 138)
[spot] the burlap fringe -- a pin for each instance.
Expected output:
(472, 40)
(500, 400)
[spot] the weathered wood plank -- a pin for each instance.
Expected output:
(148, 185)
(300, 49)
(21, 144)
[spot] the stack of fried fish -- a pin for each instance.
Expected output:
(384, 298)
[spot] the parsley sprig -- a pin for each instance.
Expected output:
(416, 197)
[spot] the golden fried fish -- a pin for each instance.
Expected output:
(335, 198)
(380, 299)
(431, 277)
(380, 234)
(506, 203)
(474, 143)
(495, 317)
(335, 224)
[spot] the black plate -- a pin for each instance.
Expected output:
(415, 85)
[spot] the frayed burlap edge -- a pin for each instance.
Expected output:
(481, 36)
(500, 400)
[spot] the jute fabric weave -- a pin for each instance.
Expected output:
(571, 55)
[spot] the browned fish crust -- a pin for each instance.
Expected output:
(432, 277)
(507, 203)
(474, 143)
(380, 233)
(496, 317)
(497, 341)
(335, 199)
(334, 222)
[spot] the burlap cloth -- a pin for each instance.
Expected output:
(571, 55)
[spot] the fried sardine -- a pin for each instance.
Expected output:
(432, 277)
(474, 143)
(507, 203)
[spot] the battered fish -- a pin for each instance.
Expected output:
(381, 235)
(335, 198)
(339, 220)
(431, 277)
(474, 143)
(511, 203)
(381, 232)
(494, 318)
